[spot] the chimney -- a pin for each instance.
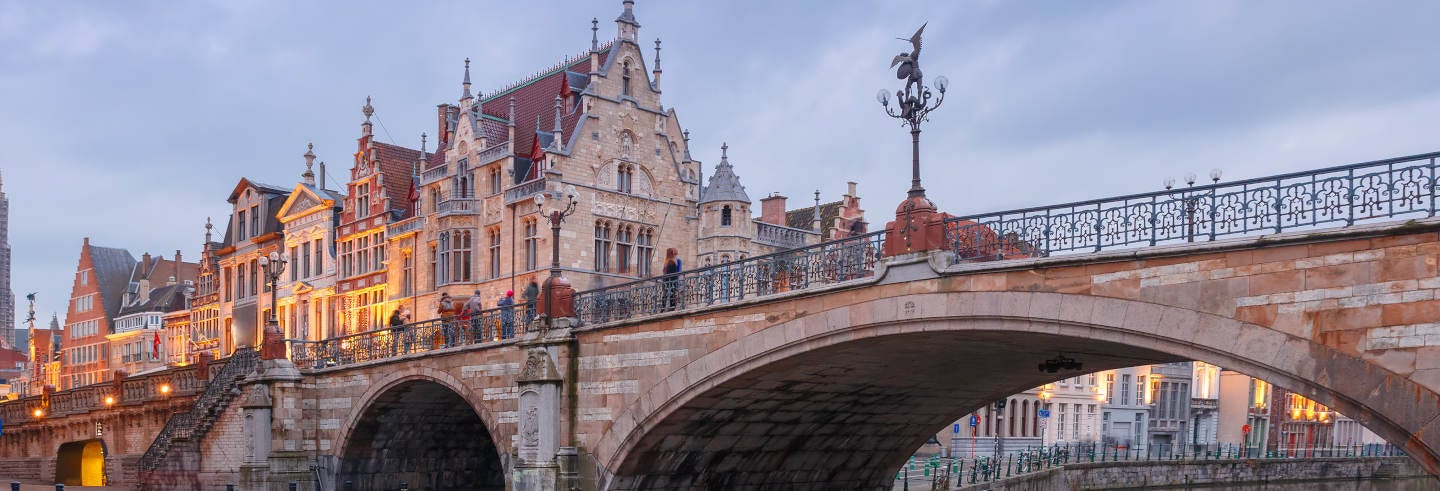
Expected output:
(851, 192)
(177, 267)
(145, 264)
(772, 209)
(322, 174)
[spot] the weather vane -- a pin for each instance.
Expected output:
(913, 102)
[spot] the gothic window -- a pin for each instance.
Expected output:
(444, 258)
(532, 244)
(623, 238)
(644, 252)
(495, 252)
(462, 179)
(407, 274)
(434, 200)
(461, 256)
(625, 79)
(495, 180)
(434, 280)
(624, 178)
(724, 258)
(725, 216)
(602, 246)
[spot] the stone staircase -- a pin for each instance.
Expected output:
(186, 429)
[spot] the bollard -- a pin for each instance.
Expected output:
(14, 485)
(404, 486)
(294, 486)
(59, 486)
(229, 487)
(349, 486)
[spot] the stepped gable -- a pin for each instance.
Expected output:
(535, 96)
(397, 164)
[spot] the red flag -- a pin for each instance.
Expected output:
(565, 87)
(156, 354)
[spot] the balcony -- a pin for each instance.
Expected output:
(779, 236)
(459, 206)
(493, 153)
(435, 174)
(524, 190)
(404, 227)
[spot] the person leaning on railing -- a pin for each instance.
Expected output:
(444, 310)
(672, 272)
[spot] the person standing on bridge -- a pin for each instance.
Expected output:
(531, 295)
(672, 276)
(444, 309)
(470, 316)
(397, 321)
(507, 314)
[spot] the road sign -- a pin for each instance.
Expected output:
(974, 420)
(1245, 429)
(1044, 413)
(955, 429)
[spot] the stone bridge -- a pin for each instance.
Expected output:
(824, 368)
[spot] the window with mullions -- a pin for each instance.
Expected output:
(532, 244)
(602, 246)
(495, 252)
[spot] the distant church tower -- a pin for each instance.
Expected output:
(13, 338)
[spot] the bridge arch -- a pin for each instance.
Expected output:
(806, 403)
(81, 463)
(425, 428)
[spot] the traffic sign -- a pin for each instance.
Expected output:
(955, 429)
(974, 420)
(1045, 413)
(1245, 429)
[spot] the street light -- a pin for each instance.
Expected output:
(38, 413)
(913, 104)
(1190, 202)
(555, 284)
(165, 389)
(273, 265)
(272, 346)
(109, 401)
(1044, 415)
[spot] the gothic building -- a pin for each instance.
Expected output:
(10, 335)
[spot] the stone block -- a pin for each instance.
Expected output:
(1178, 324)
(1109, 312)
(1277, 282)
(1045, 305)
(1259, 344)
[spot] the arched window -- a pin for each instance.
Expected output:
(625, 174)
(725, 216)
(1024, 418)
(1010, 430)
(644, 252)
(624, 235)
(602, 246)
(625, 79)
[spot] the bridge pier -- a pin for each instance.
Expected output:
(542, 464)
(272, 413)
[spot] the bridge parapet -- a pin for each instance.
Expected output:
(1402, 187)
(179, 382)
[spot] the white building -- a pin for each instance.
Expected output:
(1125, 414)
(1204, 404)
(1064, 412)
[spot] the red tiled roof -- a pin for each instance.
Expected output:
(537, 98)
(397, 164)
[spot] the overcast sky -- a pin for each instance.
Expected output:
(130, 122)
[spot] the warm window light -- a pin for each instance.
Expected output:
(109, 400)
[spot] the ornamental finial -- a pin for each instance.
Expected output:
(369, 110)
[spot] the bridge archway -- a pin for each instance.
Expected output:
(422, 431)
(841, 396)
(81, 463)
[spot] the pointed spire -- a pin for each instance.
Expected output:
(420, 162)
(208, 227)
(309, 176)
(724, 153)
(815, 214)
(657, 55)
(558, 104)
(511, 119)
(466, 96)
(724, 184)
(594, 34)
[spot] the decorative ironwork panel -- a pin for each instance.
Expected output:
(1336, 196)
(792, 270)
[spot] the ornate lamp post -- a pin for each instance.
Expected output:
(1044, 414)
(557, 285)
(1190, 201)
(273, 346)
(912, 107)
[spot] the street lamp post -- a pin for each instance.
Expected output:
(916, 227)
(272, 346)
(1044, 416)
(556, 284)
(1191, 202)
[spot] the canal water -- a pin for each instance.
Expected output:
(1410, 484)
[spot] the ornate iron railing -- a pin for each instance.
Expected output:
(487, 326)
(1370, 191)
(780, 235)
(796, 269)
